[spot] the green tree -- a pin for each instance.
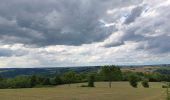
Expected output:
(91, 80)
(154, 77)
(46, 81)
(69, 77)
(1, 78)
(40, 80)
(145, 83)
(3, 83)
(133, 80)
(56, 80)
(111, 73)
(19, 82)
(33, 80)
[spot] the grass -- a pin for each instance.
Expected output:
(119, 91)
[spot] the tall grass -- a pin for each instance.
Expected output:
(167, 91)
(168, 94)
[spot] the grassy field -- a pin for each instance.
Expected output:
(119, 91)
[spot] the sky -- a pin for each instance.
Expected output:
(60, 33)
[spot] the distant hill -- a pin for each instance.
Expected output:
(13, 72)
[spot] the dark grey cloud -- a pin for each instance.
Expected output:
(159, 44)
(136, 12)
(113, 44)
(55, 22)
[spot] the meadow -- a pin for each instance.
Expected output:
(119, 91)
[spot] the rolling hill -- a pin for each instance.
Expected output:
(13, 72)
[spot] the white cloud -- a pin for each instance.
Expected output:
(127, 32)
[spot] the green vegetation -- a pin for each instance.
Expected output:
(111, 73)
(168, 94)
(133, 80)
(56, 81)
(167, 86)
(145, 83)
(106, 73)
(69, 77)
(119, 91)
(91, 80)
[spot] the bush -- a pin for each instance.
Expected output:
(19, 82)
(133, 80)
(164, 86)
(91, 80)
(3, 84)
(56, 81)
(46, 81)
(69, 77)
(168, 97)
(145, 83)
(33, 80)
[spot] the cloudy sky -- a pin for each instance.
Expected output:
(54, 33)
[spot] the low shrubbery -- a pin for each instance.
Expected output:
(91, 80)
(145, 83)
(133, 80)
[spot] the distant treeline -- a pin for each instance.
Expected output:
(164, 71)
(49, 72)
(106, 73)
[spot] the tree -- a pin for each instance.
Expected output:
(91, 80)
(46, 81)
(145, 83)
(33, 80)
(40, 80)
(133, 80)
(56, 81)
(3, 83)
(69, 77)
(111, 73)
(19, 82)
(1, 78)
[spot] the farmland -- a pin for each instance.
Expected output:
(119, 91)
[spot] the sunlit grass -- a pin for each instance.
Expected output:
(119, 91)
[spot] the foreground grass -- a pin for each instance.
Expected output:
(119, 91)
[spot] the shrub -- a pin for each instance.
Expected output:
(133, 80)
(69, 77)
(164, 86)
(168, 97)
(145, 83)
(33, 80)
(56, 81)
(91, 80)
(46, 81)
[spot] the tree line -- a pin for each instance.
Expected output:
(106, 73)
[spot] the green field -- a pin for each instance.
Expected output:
(119, 91)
